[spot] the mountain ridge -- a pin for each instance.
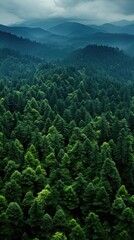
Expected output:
(73, 36)
(68, 28)
(34, 34)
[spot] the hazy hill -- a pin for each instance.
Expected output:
(26, 46)
(111, 28)
(79, 35)
(34, 34)
(43, 23)
(129, 29)
(122, 23)
(71, 29)
(130, 50)
(109, 59)
(110, 39)
(72, 35)
(64, 39)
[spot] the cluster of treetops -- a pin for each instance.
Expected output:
(66, 152)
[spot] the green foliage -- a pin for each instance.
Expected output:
(110, 176)
(93, 227)
(118, 206)
(28, 179)
(3, 203)
(102, 201)
(47, 224)
(16, 176)
(14, 214)
(27, 201)
(4, 227)
(70, 198)
(30, 161)
(58, 236)
(124, 236)
(12, 191)
(35, 217)
(59, 220)
(76, 231)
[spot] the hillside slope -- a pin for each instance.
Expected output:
(25, 46)
(110, 59)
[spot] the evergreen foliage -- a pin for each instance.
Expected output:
(66, 151)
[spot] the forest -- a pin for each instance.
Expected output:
(67, 146)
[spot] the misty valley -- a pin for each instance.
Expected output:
(60, 40)
(67, 131)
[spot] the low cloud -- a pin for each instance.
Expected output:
(83, 10)
(71, 3)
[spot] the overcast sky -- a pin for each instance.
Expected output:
(86, 11)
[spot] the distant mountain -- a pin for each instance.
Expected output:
(122, 23)
(25, 46)
(79, 35)
(110, 28)
(109, 59)
(8, 40)
(72, 29)
(129, 29)
(130, 50)
(45, 23)
(114, 40)
(74, 35)
(34, 34)
(63, 39)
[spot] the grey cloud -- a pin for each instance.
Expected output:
(124, 6)
(71, 3)
(87, 10)
(127, 6)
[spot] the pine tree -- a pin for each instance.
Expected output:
(102, 201)
(93, 227)
(76, 231)
(59, 220)
(88, 198)
(12, 191)
(70, 198)
(35, 217)
(15, 220)
(110, 177)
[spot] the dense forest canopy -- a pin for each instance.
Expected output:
(67, 146)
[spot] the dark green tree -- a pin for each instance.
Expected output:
(93, 227)
(110, 177)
